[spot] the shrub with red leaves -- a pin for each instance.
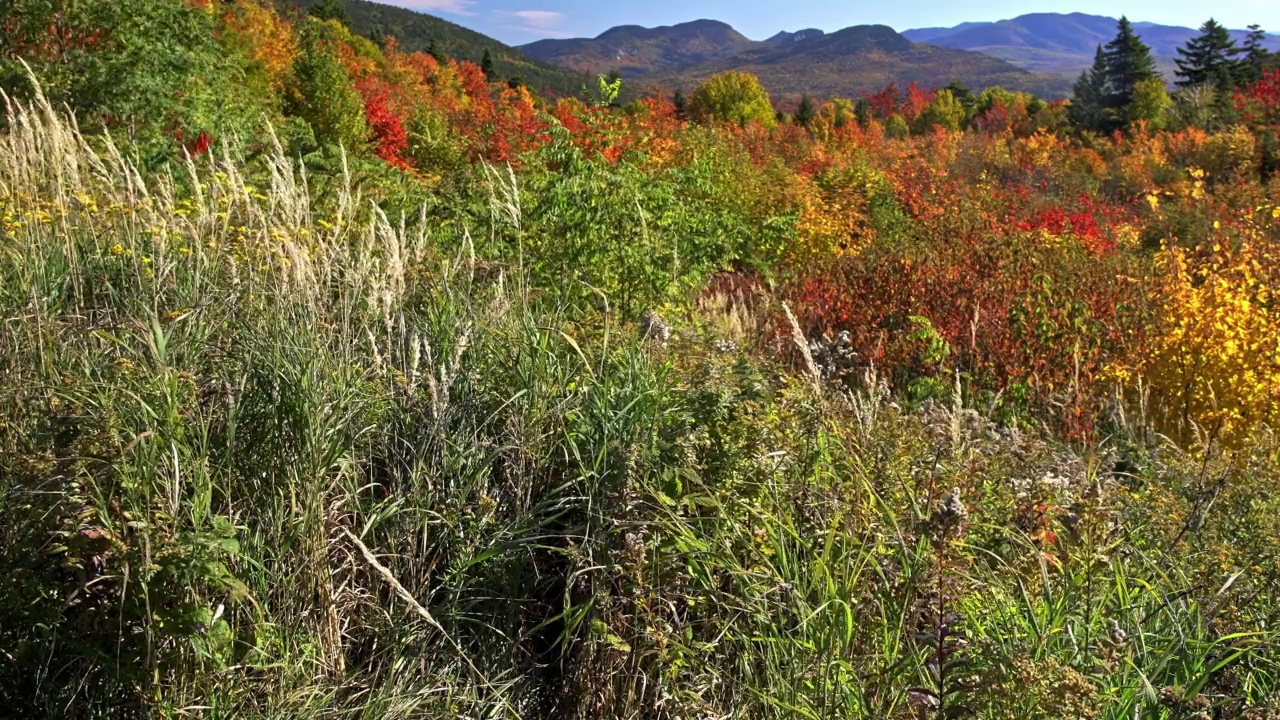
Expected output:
(1259, 102)
(390, 139)
(1037, 324)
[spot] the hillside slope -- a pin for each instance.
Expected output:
(418, 31)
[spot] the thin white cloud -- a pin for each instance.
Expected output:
(539, 23)
(540, 18)
(452, 7)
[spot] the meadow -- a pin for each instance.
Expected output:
(416, 395)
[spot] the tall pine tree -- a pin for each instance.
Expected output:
(1208, 59)
(962, 93)
(1086, 111)
(434, 51)
(1128, 62)
(486, 65)
(1253, 56)
(806, 112)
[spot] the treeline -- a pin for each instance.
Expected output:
(182, 74)
(1219, 82)
(1215, 78)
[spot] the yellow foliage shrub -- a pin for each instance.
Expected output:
(1230, 153)
(832, 223)
(1215, 356)
(1041, 150)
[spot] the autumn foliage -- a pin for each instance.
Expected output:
(944, 231)
(343, 380)
(1260, 101)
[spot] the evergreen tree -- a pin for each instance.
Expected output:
(806, 112)
(331, 10)
(322, 94)
(434, 51)
(681, 104)
(963, 95)
(1086, 111)
(486, 65)
(1208, 59)
(862, 112)
(1253, 56)
(1128, 62)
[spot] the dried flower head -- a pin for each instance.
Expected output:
(653, 328)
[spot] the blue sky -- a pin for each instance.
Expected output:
(521, 21)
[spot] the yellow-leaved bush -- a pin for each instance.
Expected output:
(1214, 360)
(831, 223)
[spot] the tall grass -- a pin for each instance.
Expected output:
(266, 452)
(218, 399)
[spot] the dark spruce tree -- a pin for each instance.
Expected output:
(962, 93)
(486, 64)
(1208, 59)
(1253, 57)
(862, 112)
(1128, 62)
(1086, 111)
(806, 112)
(331, 10)
(434, 51)
(681, 104)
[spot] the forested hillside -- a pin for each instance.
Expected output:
(417, 31)
(344, 380)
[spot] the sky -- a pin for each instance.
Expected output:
(521, 21)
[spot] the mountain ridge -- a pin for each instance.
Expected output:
(1060, 44)
(846, 62)
(635, 51)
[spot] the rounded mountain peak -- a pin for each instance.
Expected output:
(708, 29)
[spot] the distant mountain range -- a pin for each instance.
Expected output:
(845, 63)
(1039, 53)
(1058, 44)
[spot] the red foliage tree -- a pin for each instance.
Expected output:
(917, 102)
(1259, 102)
(886, 102)
(390, 139)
